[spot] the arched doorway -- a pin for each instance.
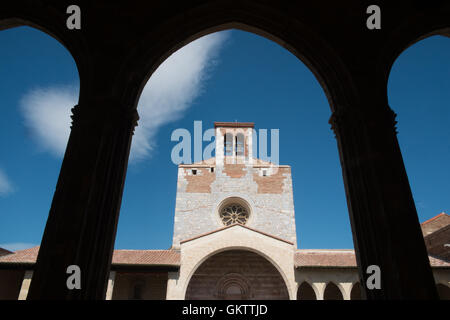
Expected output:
(306, 292)
(236, 275)
(332, 292)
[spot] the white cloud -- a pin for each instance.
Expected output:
(172, 88)
(17, 246)
(47, 113)
(170, 91)
(5, 185)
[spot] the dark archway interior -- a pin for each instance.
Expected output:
(355, 294)
(332, 292)
(236, 275)
(443, 291)
(306, 292)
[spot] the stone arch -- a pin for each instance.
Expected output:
(229, 248)
(41, 21)
(443, 291)
(355, 293)
(333, 292)
(405, 36)
(306, 291)
(264, 20)
(236, 274)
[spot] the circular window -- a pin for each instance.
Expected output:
(234, 213)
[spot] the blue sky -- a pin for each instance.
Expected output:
(227, 76)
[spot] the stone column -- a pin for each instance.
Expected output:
(385, 226)
(320, 289)
(346, 290)
(82, 222)
(172, 286)
(109, 291)
(25, 285)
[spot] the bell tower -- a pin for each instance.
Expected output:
(234, 187)
(234, 142)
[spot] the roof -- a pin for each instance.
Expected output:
(234, 124)
(3, 251)
(326, 258)
(147, 257)
(432, 225)
(322, 258)
(120, 257)
(211, 162)
(21, 256)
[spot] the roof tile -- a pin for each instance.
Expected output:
(135, 257)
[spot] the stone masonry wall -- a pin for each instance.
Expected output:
(200, 193)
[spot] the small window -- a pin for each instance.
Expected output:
(228, 144)
(240, 144)
(194, 172)
(264, 173)
(212, 169)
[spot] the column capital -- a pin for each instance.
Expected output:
(346, 117)
(108, 115)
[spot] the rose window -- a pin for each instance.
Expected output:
(234, 213)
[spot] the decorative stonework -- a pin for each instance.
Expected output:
(234, 213)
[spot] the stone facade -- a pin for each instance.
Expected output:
(203, 187)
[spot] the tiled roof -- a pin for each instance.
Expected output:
(3, 251)
(147, 257)
(326, 258)
(21, 256)
(437, 222)
(120, 257)
(303, 258)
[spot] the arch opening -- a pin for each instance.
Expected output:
(323, 62)
(239, 275)
(306, 292)
(332, 292)
(355, 294)
(443, 291)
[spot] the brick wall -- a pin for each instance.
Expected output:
(199, 196)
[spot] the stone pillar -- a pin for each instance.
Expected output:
(346, 290)
(385, 226)
(110, 289)
(320, 289)
(172, 289)
(82, 222)
(25, 285)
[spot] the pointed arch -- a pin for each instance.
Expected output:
(306, 292)
(332, 292)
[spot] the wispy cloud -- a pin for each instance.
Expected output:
(47, 114)
(173, 87)
(15, 246)
(5, 185)
(171, 90)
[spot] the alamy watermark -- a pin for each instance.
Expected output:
(235, 145)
